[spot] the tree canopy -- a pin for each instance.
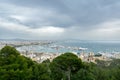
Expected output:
(67, 66)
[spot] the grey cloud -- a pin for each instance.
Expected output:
(84, 15)
(81, 12)
(7, 34)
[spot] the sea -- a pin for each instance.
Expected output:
(77, 46)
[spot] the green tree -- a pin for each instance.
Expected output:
(41, 72)
(8, 55)
(83, 74)
(8, 50)
(13, 66)
(65, 65)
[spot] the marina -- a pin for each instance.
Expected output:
(86, 50)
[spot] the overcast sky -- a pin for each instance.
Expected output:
(60, 19)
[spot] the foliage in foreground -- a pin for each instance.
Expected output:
(67, 66)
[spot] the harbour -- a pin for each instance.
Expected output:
(86, 50)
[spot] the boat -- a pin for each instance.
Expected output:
(80, 48)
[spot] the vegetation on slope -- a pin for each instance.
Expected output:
(67, 66)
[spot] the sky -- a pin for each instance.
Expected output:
(60, 19)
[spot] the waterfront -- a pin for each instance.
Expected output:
(75, 46)
(42, 50)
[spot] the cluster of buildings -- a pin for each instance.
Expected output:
(24, 42)
(19, 43)
(41, 56)
(85, 57)
(91, 57)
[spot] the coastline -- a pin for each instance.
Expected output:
(42, 50)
